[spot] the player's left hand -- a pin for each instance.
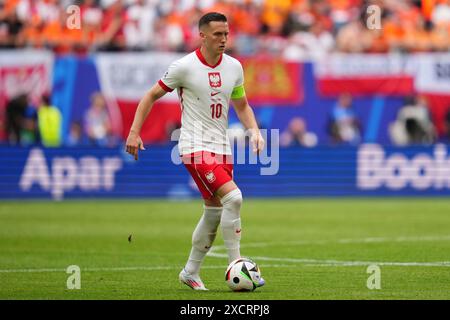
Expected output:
(257, 142)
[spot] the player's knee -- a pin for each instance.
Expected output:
(233, 199)
(213, 202)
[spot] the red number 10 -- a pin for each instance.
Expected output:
(216, 110)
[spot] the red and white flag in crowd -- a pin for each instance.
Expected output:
(365, 74)
(23, 72)
(425, 74)
(124, 79)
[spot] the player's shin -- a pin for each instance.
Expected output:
(203, 238)
(231, 223)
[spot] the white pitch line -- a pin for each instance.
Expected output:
(318, 262)
(327, 262)
(113, 269)
(340, 241)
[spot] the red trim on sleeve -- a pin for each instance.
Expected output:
(163, 85)
(203, 60)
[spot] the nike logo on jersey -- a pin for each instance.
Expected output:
(214, 93)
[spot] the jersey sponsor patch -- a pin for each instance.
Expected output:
(210, 176)
(214, 79)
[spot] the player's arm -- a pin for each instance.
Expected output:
(247, 118)
(134, 141)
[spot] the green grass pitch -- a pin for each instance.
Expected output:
(306, 248)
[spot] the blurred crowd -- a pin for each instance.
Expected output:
(294, 29)
(413, 125)
(42, 124)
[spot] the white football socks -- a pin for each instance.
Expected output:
(231, 223)
(203, 238)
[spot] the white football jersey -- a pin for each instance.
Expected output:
(204, 92)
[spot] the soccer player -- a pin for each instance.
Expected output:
(206, 80)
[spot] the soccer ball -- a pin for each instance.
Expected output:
(243, 274)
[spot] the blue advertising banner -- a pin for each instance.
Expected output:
(366, 170)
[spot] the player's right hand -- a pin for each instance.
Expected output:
(134, 144)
